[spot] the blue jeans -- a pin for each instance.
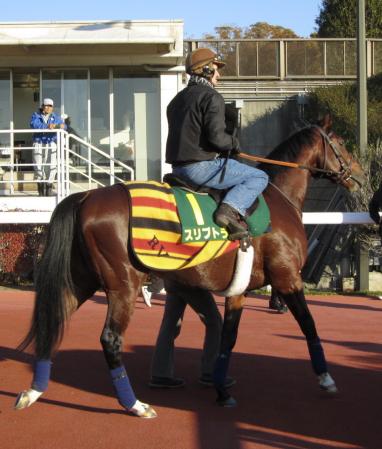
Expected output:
(245, 182)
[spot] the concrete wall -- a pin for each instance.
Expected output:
(265, 123)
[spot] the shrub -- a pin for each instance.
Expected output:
(19, 246)
(341, 102)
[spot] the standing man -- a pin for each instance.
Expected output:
(45, 146)
(199, 148)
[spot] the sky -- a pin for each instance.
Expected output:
(199, 16)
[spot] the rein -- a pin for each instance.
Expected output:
(285, 164)
(345, 172)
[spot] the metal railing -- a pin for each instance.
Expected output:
(82, 170)
(284, 59)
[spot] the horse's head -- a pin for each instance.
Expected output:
(337, 163)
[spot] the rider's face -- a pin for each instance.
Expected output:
(215, 76)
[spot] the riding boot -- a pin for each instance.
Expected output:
(227, 217)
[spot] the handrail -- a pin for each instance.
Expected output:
(102, 153)
(64, 168)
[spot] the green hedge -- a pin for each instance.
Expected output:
(341, 102)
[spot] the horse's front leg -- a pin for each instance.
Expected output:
(120, 307)
(232, 315)
(297, 304)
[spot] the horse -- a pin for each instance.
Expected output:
(88, 248)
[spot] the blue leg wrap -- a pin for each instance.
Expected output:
(125, 393)
(41, 374)
(221, 368)
(317, 356)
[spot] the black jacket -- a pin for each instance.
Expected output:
(197, 126)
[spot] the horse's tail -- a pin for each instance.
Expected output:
(53, 282)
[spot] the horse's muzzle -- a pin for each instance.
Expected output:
(359, 180)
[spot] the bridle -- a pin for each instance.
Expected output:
(345, 172)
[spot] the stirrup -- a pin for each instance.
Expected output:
(245, 243)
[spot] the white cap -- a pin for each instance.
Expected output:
(47, 102)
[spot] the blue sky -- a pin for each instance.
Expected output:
(199, 16)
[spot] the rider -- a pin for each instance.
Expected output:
(198, 147)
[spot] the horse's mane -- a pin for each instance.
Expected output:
(289, 150)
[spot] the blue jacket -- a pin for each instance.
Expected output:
(37, 122)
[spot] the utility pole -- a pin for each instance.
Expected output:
(361, 78)
(363, 253)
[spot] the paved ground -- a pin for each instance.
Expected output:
(279, 403)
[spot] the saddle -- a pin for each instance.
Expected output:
(216, 194)
(176, 181)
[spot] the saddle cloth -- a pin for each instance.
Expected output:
(161, 241)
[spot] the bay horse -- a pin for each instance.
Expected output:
(87, 248)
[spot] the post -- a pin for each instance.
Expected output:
(363, 255)
(362, 283)
(361, 78)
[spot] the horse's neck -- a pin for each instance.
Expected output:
(293, 183)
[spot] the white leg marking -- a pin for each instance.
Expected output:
(142, 410)
(26, 398)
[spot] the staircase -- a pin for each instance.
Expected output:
(80, 166)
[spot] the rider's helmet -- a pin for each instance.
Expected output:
(200, 62)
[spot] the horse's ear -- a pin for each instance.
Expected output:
(326, 122)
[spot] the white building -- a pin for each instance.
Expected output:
(113, 79)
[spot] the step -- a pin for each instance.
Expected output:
(16, 178)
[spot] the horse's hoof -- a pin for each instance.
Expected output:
(26, 398)
(149, 413)
(327, 383)
(143, 410)
(228, 402)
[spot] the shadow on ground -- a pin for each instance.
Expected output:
(280, 404)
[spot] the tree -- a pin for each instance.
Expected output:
(250, 52)
(258, 30)
(338, 18)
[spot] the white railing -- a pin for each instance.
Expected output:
(81, 177)
(88, 168)
(70, 177)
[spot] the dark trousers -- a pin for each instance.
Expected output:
(203, 303)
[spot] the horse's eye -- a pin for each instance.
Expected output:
(341, 142)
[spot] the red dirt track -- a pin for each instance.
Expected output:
(279, 402)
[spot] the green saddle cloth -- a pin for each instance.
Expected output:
(196, 211)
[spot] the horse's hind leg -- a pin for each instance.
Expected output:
(106, 233)
(121, 303)
(297, 304)
(85, 284)
(43, 354)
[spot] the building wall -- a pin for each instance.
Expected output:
(265, 123)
